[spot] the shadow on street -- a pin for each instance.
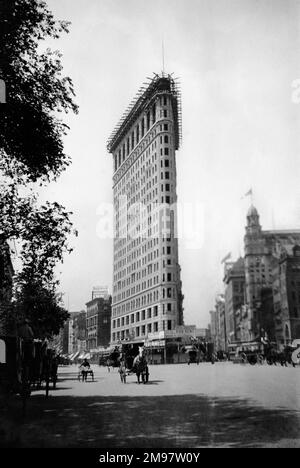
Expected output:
(159, 421)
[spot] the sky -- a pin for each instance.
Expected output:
(239, 71)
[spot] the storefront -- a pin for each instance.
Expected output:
(155, 351)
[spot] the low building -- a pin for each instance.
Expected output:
(202, 334)
(234, 280)
(79, 332)
(69, 335)
(214, 327)
(220, 308)
(218, 329)
(169, 346)
(98, 322)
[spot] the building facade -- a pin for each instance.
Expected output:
(218, 329)
(262, 251)
(234, 280)
(286, 293)
(147, 297)
(214, 328)
(70, 335)
(98, 322)
(80, 332)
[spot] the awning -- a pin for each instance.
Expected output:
(75, 356)
(87, 356)
(71, 356)
(81, 356)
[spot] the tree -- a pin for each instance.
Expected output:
(31, 152)
(42, 232)
(31, 134)
(42, 306)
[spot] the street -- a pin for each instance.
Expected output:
(220, 405)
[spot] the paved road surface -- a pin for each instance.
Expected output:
(220, 405)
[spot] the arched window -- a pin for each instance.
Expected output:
(154, 113)
(142, 127)
(148, 120)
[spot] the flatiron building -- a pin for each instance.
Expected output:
(147, 297)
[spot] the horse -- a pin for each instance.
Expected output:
(140, 366)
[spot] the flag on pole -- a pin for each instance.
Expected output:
(248, 193)
(226, 257)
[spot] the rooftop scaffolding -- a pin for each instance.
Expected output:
(143, 98)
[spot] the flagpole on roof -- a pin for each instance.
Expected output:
(226, 258)
(250, 192)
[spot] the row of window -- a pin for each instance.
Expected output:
(141, 128)
(146, 196)
(145, 151)
(165, 250)
(146, 299)
(140, 182)
(137, 317)
(93, 321)
(168, 292)
(136, 277)
(140, 331)
(121, 293)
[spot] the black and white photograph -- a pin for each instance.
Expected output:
(149, 227)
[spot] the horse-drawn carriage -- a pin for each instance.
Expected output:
(193, 356)
(257, 352)
(138, 365)
(24, 365)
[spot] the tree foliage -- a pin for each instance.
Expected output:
(42, 233)
(31, 134)
(32, 151)
(42, 230)
(42, 306)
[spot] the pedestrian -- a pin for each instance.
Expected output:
(122, 371)
(25, 331)
(85, 368)
(26, 334)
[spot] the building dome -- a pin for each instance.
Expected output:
(252, 211)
